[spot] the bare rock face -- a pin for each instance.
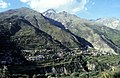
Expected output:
(113, 23)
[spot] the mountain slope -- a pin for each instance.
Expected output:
(110, 36)
(78, 26)
(31, 44)
(15, 20)
(113, 23)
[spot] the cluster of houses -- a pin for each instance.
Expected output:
(44, 54)
(41, 55)
(49, 54)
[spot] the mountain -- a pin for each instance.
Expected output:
(113, 23)
(30, 42)
(27, 22)
(90, 30)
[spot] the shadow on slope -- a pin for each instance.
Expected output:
(82, 42)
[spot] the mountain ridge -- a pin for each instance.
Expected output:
(73, 23)
(113, 23)
(25, 16)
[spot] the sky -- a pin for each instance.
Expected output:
(89, 9)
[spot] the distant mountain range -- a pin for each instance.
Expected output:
(113, 23)
(102, 37)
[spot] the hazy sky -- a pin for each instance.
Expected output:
(91, 9)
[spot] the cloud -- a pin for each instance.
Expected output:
(71, 6)
(4, 4)
(93, 3)
(86, 9)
